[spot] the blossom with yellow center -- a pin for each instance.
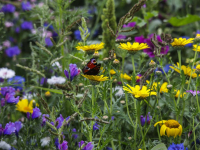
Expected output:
(181, 42)
(133, 47)
(137, 93)
(195, 47)
(24, 106)
(178, 93)
(96, 78)
(187, 70)
(163, 88)
(169, 128)
(125, 76)
(93, 47)
(112, 72)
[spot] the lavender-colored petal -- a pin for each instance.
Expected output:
(66, 73)
(9, 128)
(142, 119)
(89, 146)
(63, 146)
(60, 121)
(18, 125)
(36, 113)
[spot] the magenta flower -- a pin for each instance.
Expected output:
(1, 130)
(147, 119)
(150, 51)
(74, 71)
(129, 25)
(120, 37)
(138, 77)
(193, 92)
(36, 113)
(63, 146)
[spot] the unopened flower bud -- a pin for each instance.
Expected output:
(47, 94)
(196, 39)
(158, 73)
(96, 54)
(116, 61)
(105, 117)
(105, 59)
(152, 64)
(80, 84)
(82, 89)
(122, 102)
(84, 63)
(169, 86)
(115, 80)
(129, 138)
(158, 107)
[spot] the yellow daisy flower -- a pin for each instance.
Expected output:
(195, 47)
(133, 47)
(163, 87)
(187, 70)
(182, 42)
(125, 76)
(91, 48)
(24, 106)
(198, 67)
(96, 78)
(137, 93)
(169, 127)
(178, 93)
(112, 72)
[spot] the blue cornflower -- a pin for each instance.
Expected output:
(50, 27)
(27, 25)
(36, 113)
(74, 71)
(13, 51)
(26, 6)
(17, 82)
(8, 8)
(176, 147)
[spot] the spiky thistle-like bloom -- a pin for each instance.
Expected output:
(186, 69)
(169, 128)
(137, 93)
(181, 42)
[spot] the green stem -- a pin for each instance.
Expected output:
(134, 75)
(136, 122)
(195, 55)
(179, 58)
(92, 122)
(126, 97)
(197, 94)
(158, 128)
(194, 135)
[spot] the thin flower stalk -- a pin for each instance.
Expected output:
(197, 94)
(133, 63)
(194, 133)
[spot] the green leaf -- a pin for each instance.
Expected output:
(160, 146)
(184, 20)
(149, 15)
(47, 89)
(139, 21)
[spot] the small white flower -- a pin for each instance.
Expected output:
(56, 80)
(4, 145)
(6, 73)
(57, 64)
(29, 96)
(45, 141)
(119, 90)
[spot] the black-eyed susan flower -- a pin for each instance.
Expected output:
(178, 93)
(163, 87)
(125, 76)
(169, 128)
(137, 93)
(24, 106)
(96, 78)
(181, 42)
(133, 47)
(90, 48)
(186, 69)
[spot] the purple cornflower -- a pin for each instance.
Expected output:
(60, 121)
(8, 8)
(80, 143)
(75, 136)
(89, 146)
(17, 82)
(11, 99)
(26, 6)
(121, 37)
(96, 126)
(177, 147)
(129, 25)
(44, 119)
(27, 25)
(193, 92)
(1, 130)
(36, 113)
(43, 81)
(63, 146)
(13, 51)
(145, 119)
(48, 42)
(74, 71)
(9, 128)
(150, 51)
(18, 126)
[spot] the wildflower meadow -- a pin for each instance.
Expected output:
(100, 74)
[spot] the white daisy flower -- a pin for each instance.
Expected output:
(56, 80)
(45, 141)
(4, 145)
(120, 91)
(6, 73)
